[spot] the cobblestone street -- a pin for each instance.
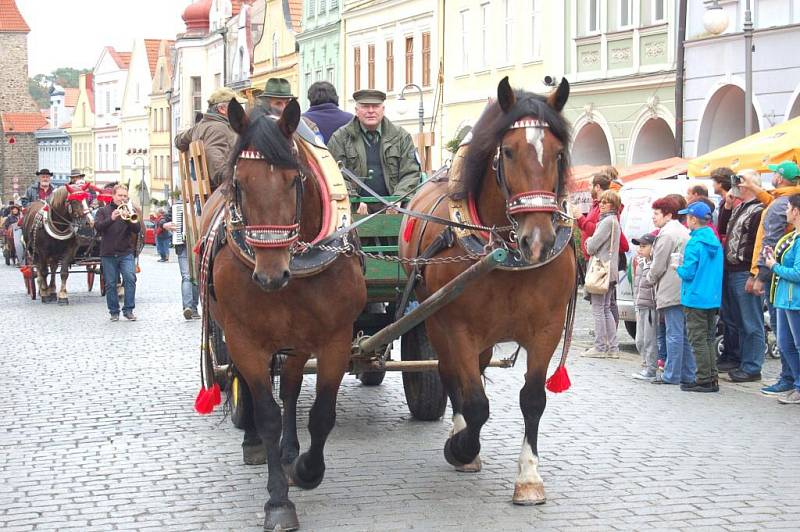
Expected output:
(99, 433)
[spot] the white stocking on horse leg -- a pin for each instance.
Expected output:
(458, 425)
(529, 487)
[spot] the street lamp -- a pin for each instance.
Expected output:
(402, 104)
(141, 183)
(748, 70)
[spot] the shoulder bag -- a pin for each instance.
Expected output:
(598, 273)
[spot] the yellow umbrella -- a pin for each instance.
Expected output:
(771, 146)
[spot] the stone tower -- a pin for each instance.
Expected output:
(19, 114)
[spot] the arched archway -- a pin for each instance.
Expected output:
(653, 142)
(794, 110)
(723, 119)
(591, 146)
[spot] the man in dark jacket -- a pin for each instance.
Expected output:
(40, 190)
(324, 109)
(116, 254)
(216, 133)
(744, 335)
(371, 146)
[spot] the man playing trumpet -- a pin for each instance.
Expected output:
(115, 223)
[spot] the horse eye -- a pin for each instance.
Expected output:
(507, 153)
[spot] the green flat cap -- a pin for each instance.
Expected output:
(369, 96)
(277, 88)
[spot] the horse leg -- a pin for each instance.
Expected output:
(529, 486)
(51, 290)
(65, 264)
(41, 279)
(254, 452)
(291, 383)
(308, 469)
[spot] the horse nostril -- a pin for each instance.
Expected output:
(286, 275)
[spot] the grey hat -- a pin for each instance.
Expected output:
(369, 96)
(646, 239)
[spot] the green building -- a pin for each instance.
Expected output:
(319, 46)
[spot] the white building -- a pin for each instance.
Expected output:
(110, 74)
(53, 143)
(715, 71)
(388, 44)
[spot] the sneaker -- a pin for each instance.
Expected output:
(707, 387)
(779, 388)
(660, 364)
(594, 353)
(613, 353)
(115, 317)
(792, 399)
(130, 316)
(737, 375)
(644, 375)
(187, 313)
(660, 380)
(196, 315)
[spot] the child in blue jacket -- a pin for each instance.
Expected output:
(701, 294)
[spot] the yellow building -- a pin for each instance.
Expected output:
(159, 124)
(275, 55)
(486, 41)
(81, 132)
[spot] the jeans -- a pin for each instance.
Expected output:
(786, 372)
(747, 312)
(701, 325)
(189, 294)
(661, 336)
(789, 341)
(680, 366)
(646, 342)
(727, 314)
(113, 267)
(605, 328)
(162, 246)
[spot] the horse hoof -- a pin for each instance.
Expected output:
(280, 518)
(529, 494)
(297, 472)
(254, 454)
(63, 301)
(472, 467)
(458, 461)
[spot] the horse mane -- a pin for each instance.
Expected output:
(489, 130)
(58, 199)
(263, 135)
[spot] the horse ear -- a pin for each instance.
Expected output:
(505, 95)
(558, 98)
(290, 118)
(237, 117)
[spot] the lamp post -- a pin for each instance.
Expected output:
(141, 183)
(402, 108)
(748, 70)
(223, 30)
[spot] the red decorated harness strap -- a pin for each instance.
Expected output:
(533, 201)
(271, 236)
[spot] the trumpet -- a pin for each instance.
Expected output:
(128, 213)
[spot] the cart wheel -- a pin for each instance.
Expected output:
(425, 393)
(89, 278)
(371, 378)
(220, 349)
(241, 403)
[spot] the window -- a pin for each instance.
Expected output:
(330, 76)
(593, 14)
(240, 74)
(389, 66)
(409, 60)
(371, 66)
(465, 44)
(108, 101)
(197, 95)
(275, 50)
(508, 25)
(217, 80)
(658, 11)
(485, 16)
(138, 91)
(625, 13)
(318, 75)
(114, 156)
(321, 7)
(356, 68)
(334, 4)
(535, 39)
(308, 78)
(311, 7)
(426, 59)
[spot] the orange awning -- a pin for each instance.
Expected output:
(582, 175)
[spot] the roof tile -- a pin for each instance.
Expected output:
(11, 19)
(71, 97)
(22, 122)
(152, 46)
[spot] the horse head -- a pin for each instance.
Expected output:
(267, 188)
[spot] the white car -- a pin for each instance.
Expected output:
(637, 219)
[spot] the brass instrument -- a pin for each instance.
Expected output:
(128, 213)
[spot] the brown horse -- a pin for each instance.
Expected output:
(518, 150)
(50, 233)
(263, 309)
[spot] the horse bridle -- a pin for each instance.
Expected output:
(266, 236)
(531, 200)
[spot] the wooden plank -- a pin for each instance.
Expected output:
(379, 269)
(385, 225)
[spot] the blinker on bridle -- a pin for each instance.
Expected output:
(267, 236)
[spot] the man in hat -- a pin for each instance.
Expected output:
(276, 96)
(41, 190)
(75, 175)
(372, 147)
(216, 133)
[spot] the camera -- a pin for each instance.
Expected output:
(550, 81)
(736, 180)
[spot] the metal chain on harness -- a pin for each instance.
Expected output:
(348, 249)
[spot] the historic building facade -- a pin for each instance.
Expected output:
(319, 47)
(81, 130)
(110, 75)
(158, 122)
(53, 142)
(275, 54)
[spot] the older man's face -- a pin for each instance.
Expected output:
(44, 181)
(277, 105)
(370, 114)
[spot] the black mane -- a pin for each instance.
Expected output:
(491, 127)
(264, 136)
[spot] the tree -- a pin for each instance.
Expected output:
(39, 85)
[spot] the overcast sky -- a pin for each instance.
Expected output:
(72, 33)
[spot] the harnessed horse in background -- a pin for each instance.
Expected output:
(265, 307)
(512, 176)
(50, 234)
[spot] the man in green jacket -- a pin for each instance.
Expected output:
(372, 147)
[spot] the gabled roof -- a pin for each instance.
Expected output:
(71, 97)
(11, 19)
(90, 90)
(123, 59)
(151, 47)
(293, 12)
(22, 122)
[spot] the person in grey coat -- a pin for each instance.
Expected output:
(644, 300)
(604, 244)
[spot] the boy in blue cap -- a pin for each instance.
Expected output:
(701, 294)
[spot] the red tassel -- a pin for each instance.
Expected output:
(196, 249)
(207, 399)
(409, 229)
(559, 380)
